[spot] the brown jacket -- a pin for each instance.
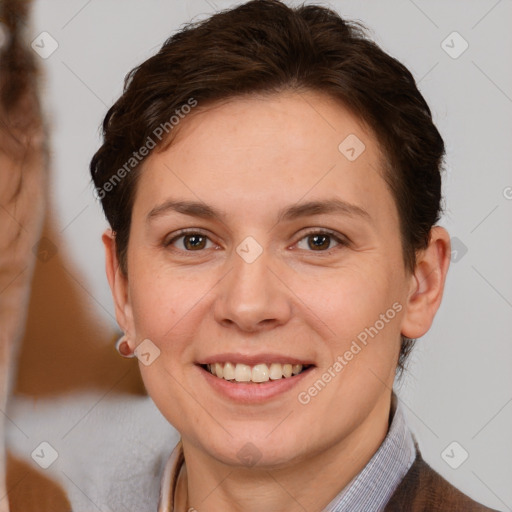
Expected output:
(424, 490)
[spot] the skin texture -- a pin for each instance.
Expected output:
(251, 158)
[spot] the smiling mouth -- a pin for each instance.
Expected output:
(258, 374)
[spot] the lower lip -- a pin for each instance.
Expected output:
(251, 392)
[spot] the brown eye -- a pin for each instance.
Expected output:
(190, 242)
(321, 241)
(194, 242)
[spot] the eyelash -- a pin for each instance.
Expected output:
(341, 240)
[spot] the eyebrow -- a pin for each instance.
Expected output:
(192, 208)
(202, 210)
(331, 206)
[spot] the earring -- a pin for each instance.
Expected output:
(123, 347)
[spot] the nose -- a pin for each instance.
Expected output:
(252, 297)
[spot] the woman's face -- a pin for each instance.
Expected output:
(265, 236)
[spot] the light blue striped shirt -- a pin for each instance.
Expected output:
(372, 488)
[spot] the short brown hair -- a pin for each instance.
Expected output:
(265, 47)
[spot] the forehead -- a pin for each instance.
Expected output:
(280, 126)
(251, 151)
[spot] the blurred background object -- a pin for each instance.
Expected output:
(51, 343)
(23, 184)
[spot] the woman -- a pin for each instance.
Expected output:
(272, 182)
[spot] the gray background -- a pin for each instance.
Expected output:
(458, 386)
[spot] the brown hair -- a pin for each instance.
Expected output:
(265, 47)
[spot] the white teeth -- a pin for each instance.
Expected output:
(260, 373)
(257, 373)
(276, 371)
(243, 373)
(296, 368)
(229, 371)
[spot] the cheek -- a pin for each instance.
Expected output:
(361, 309)
(350, 298)
(163, 301)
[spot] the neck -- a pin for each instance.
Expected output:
(209, 485)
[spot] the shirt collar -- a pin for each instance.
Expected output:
(370, 490)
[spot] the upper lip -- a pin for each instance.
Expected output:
(253, 359)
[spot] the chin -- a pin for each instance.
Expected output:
(255, 451)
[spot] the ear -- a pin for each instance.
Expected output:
(119, 287)
(427, 284)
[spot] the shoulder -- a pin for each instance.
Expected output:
(424, 490)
